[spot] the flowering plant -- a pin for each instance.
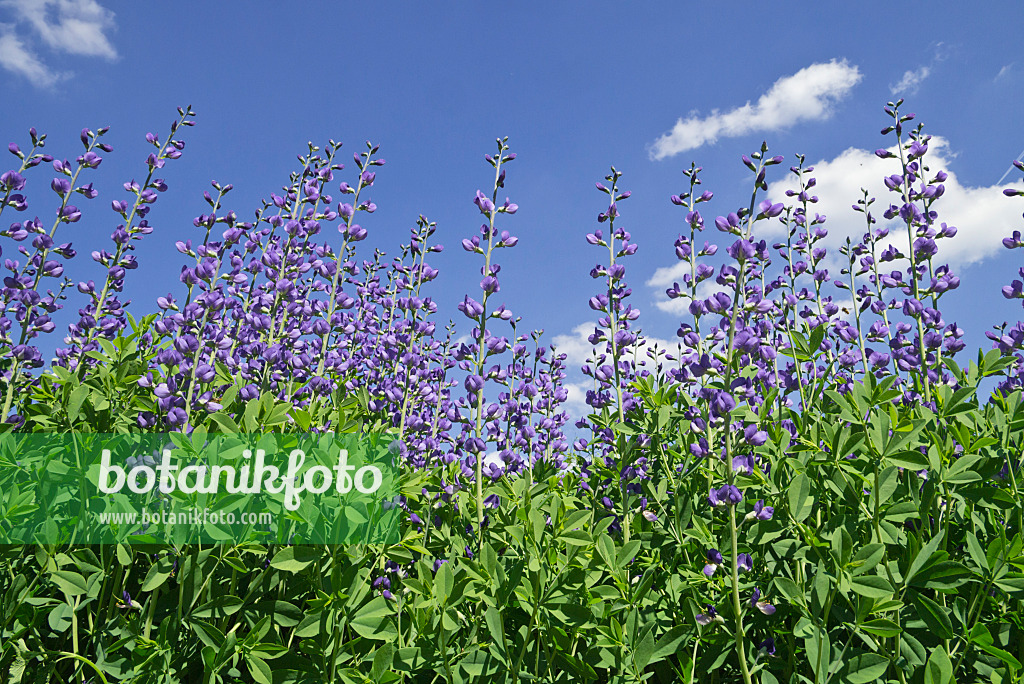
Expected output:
(804, 490)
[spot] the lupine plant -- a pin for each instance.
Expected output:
(810, 488)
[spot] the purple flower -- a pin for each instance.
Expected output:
(69, 213)
(741, 250)
(767, 646)
(744, 464)
(474, 383)
(756, 601)
(753, 436)
(761, 512)
(709, 617)
(12, 181)
(714, 561)
(490, 284)
(728, 495)
(744, 562)
(486, 205)
(770, 210)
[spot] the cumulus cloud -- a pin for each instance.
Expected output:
(74, 27)
(576, 403)
(911, 81)
(807, 95)
(18, 59)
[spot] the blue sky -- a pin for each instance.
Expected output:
(576, 86)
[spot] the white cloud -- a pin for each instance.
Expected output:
(75, 27)
(807, 95)
(576, 404)
(911, 81)
(1004, 71)
(18, 59)
(575, 346)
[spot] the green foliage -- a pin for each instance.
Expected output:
(895, 553)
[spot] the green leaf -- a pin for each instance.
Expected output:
(882, 627)
(943, 576)
(800, 501)
(372, 621)
(496, 626)
(934, 616)
(902, 511)
(863, 668)
(977, 553)
(225, 422)
(866, 558)
(71, 583)
(294, 558)
(626, 554)
(382, 661)
(913, 460)
(60, 617)
(871, 586)
(284, 614)
(260, 671)
(819, 651)
(888, 481)
(982, 638)
(644, 650)
(1013, 585)
(938, 670)
(157, 575)
(489, 558)
(444, 582)
(576, 538)
(790, 590)
(220, 607)
(606, 549)
(669, 643)
(76, 400)
(124, 554)
(923, 556)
